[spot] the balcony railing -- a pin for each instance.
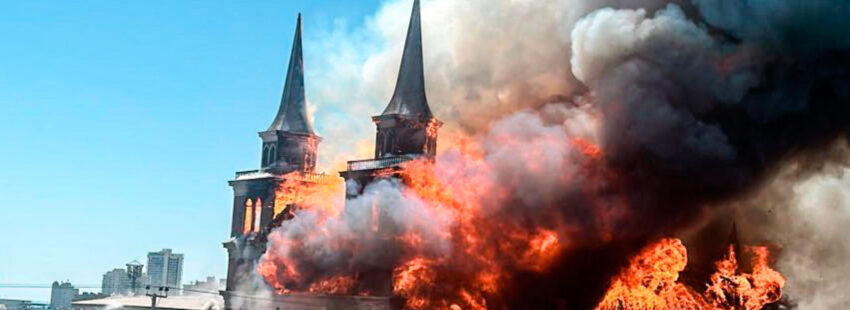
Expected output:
(247, 172)
(301, 176)
(371, 164)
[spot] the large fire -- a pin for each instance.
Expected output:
(651, 282)
(469, 258)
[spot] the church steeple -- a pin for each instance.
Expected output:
(409, 96)
(290, 143)
(292, 114)
(407, 127)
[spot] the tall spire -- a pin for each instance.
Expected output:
(409, 96)
(292, 114)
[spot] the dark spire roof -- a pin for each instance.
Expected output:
(292, 115)
(409, 96)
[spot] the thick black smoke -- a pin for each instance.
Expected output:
(693, 123)
(701, 111)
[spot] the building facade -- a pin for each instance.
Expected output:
(119, 282)
(289, 151)
(165, 268)
(115, 282)
(61, 295)
(406, 131)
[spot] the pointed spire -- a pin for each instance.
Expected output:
(292, 114)
(733, 239)
(409, 96)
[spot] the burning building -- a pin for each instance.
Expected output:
(406, 132)
(673, 118)
(406, 129)
(264, 198)
(289, 151)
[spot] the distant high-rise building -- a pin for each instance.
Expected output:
(117, 282)
(61, 295)
(165, 268)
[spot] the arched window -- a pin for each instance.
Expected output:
(265, 155)
(382, 144)
(258, 214)
(308, 161)
(249, 217)
(272, 154)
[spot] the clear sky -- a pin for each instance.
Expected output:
(121, 121)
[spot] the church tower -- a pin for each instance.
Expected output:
(289, 151)
(290, 143)
(407, 126)
(406, 130)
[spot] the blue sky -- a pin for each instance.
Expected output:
(121, 121)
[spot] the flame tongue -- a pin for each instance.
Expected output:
(729, 290)
(651, 282)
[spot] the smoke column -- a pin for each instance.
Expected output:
(610, 122)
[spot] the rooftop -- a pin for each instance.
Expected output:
(189, 302)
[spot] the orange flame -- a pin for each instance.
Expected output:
(319, 193)
(310, 191)
(334, 285)
(487, 247)
(752, 291)
(651, 282)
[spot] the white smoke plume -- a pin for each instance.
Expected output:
(804, 211)
(816, 250)
(249, 291)
(484, 59)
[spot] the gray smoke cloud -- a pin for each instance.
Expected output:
(484, 59)
(250, 291)
(804, 210)
(694, 104)
(815, 248)
(740, 107)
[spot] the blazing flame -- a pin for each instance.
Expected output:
(487, 243)
(318, 193)
(651, 282)
(752, 291)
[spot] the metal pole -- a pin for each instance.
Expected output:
(163, 293)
